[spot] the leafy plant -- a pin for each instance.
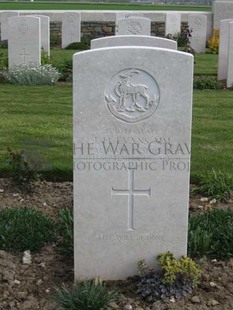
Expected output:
(207, 82)
(55, 40)
(44, 57)
(89, 295)
(65, 69)
(211, 234)
(213, 42)
(38, 75)
(182, 38)
(65, 229)
(176, 278)
(25, 229)
(24, 172)
(215, 185)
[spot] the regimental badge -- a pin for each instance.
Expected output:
(134, 28)
(132, 95)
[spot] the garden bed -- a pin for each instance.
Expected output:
(30, 287)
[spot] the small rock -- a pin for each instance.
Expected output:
(172, 299)
(45, 204)
(212, 302)
(214, 260)
(27, 258)
(42, 264)
(113, 305)
(39, 282)
(204, 199)
(195, 300)
(47, 291)
(213, 284)
(213, 201)
(128, 307)
(16, 282)
(1, 190)
(200, 207)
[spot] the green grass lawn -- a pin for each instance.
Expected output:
(97, 6)
(38, 119)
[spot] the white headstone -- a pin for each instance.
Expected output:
(223, 49)
(198, 25)
(222, 9)
(45, 32)
(123, 15)
(71, 28)
(230, 57)
(4, 23)
(133, 41)
(132, 138)
(24, 41)
(172, 23)
(134, 26)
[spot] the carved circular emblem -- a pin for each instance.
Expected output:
(134, 28)
(23, 27)
(132, 95)
(71, 18)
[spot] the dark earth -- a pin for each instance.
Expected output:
(30, 287)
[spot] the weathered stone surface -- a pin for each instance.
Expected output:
(198, 25)
(24, 41)
(132, 130)
(173, 23)
(134, 26)
(4, 23)
(128, 40)
(223, 49)
(71, 28)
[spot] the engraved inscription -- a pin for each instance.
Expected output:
(134, 28)
(23, 27)
(198, 21)
(70, 18)
(132, 95)
(24, 55)
(131, 192)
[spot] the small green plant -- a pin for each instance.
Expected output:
(65, 229)
(24, 173)
(55, 40)
(44, 57)
(211, 234)
(25, 229)
(213, 42)
(185, 270)
(65, 69)
(176, 278)
(38, 75)
(215, 185)
(89, 295)
(207, 82)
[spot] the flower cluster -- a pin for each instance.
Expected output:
(35, 75)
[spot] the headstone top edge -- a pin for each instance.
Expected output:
(132, 48)
(133, 36)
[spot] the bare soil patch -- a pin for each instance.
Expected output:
(30, 287)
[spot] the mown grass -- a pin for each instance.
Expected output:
(49, 5)
(39, 119)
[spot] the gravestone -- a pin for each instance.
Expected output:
(123, 15)
(230, 57)
(134, 26)
(221, 9)
(172, 23)
(71, 28)
(223, 49)
(45, 32)
(127, 40)
(4, 23)
(24, 41)
(198, 25)
(132, 137)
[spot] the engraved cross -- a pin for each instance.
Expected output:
(24, 55)
(131, 192)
